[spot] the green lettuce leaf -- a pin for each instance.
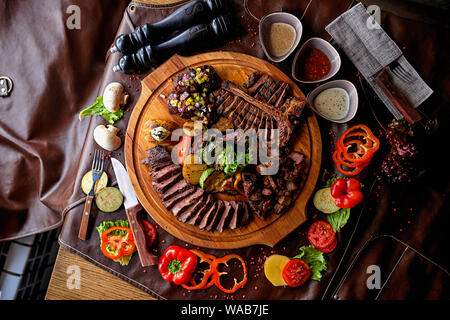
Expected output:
(315, 259)
(339, 218)
(98, 108)
(105, 225)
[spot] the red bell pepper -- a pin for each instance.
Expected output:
(118, 245)
(177, 265)
(346, 192)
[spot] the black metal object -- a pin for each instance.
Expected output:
(39, 265)
(192, 40)
(195, 12)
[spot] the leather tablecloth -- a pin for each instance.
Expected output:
(402, 230)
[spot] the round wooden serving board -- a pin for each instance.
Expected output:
(152, 104)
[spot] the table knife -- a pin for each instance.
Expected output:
(397, 98)
(132, 208)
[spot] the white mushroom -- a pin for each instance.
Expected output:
(106, 137)
(114, 96)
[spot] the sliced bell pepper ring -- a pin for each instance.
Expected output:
(118, 245)
(216, 274)
(355, 170)
(348, 163)
(356, 132)
(363, 153)
(207, 274)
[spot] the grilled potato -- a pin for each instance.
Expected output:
(193, 169)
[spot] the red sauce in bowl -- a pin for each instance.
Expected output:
(314, 65)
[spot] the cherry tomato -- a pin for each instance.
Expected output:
(150, 232)
(321, 234)
(330, 248)
(296, 272)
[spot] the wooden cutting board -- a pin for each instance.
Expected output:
(152, 104)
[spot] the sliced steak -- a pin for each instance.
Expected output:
(208, 215)
(179, 197)
(214, 220)
(179, 187)
(198, 216)
(165, 173)
(156, 156)
(185, 203)
(193, 209)
(237, 213)
(225, 217)
(163, 186)
(161, 166)
(245, 215)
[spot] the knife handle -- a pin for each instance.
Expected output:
(397, 98)
(147, 258)
(85, 218)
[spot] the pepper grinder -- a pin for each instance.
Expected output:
(191, 40)
(195, 12)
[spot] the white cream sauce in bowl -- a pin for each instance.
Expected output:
(336, 101)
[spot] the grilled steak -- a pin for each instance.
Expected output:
(215, 217)
(208, 215)
(185, 203)
(179, 197)
(162, 187)
(179, 187)
(245, 215)
(157, 156)
(251, 111)
(198, 216)
(236, 215)
(193, 209)
(225, 217)
(165, 173)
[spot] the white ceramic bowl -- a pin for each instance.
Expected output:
(283, 17)
(323, 46)
(343, 84)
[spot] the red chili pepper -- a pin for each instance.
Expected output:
(177, 265)
(346, 192)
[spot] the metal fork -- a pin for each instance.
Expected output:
(400, 72)
(97, 170)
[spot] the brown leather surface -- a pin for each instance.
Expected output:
(412, 253)
(55, 71)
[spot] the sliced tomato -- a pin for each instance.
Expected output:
(321, 234)
(183, 148)
(296, 272)
(150, 232)
(330, 248)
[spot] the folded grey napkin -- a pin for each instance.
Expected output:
(370, 49)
